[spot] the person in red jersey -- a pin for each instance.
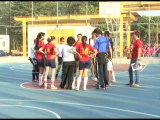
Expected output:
(50, 62)
(76, 71)
(39, 46)
(84, 50)
(136, 54)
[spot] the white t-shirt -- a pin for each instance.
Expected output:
(59, 49)
(91, 42)
(32, 54)
(68, 54)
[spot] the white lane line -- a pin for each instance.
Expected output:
(11, 67)
(143, 67)
(57, 115)
(96, 106)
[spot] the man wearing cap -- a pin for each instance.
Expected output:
(136, 54)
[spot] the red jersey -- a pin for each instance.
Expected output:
(49, 48)
(84, 52)
(38, 53)
(77, 43)
(137, 44)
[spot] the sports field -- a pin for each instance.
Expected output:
(119, 101)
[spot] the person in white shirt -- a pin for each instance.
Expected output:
(35, 70)
(68, 63)
(59, 51)
(110, 70)
(93, 69)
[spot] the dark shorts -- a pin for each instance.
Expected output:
(40, 62)
(84, 65)
(59, 60)
(51, 63)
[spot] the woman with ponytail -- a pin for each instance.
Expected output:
(50, 62)
(39, 47)
(84, 61)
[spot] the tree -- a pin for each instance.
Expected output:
(142, 24)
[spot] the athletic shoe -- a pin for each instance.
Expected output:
(34, 80)
(48, 77)
(128, 84)
(135, 85)
(95, 79)
(53, 87)
(113, 81)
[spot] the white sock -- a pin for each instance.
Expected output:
(45, 83)
(52, 82)
(113, 76)
(73, 83)
(85, 83)
(78, 82)
(40, 79)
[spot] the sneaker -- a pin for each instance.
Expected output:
(53, 87)
(73, 87)
(48, 77)
(84, 89)
(135, 85)
(94, 78)
(45, 87)
(76, 89)
(34, 80)
(107, 86)
(98, 87)
(113, 81)
(128, 84)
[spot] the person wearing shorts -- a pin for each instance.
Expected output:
(50, 62)
(39, 46)
(35, 70)
(76, 72)
(110, 70)
(84, 62)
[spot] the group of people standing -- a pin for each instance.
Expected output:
(76, 58)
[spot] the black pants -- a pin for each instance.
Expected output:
(35, 70)
(102, 73)
(102, 69)
(67, 74)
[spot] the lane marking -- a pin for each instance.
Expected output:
(94, 106)
(57, 115)
(143, 67)
(11, 67)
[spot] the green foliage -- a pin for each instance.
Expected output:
(49, 8)
(142, 24)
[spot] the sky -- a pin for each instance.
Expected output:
(151, 13)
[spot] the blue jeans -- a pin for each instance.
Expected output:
(131, 73)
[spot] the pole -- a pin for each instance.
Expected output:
(57, 23)
(149, 37)
(157, 35)
(86, 16)
(32, 13)
(10, 27)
